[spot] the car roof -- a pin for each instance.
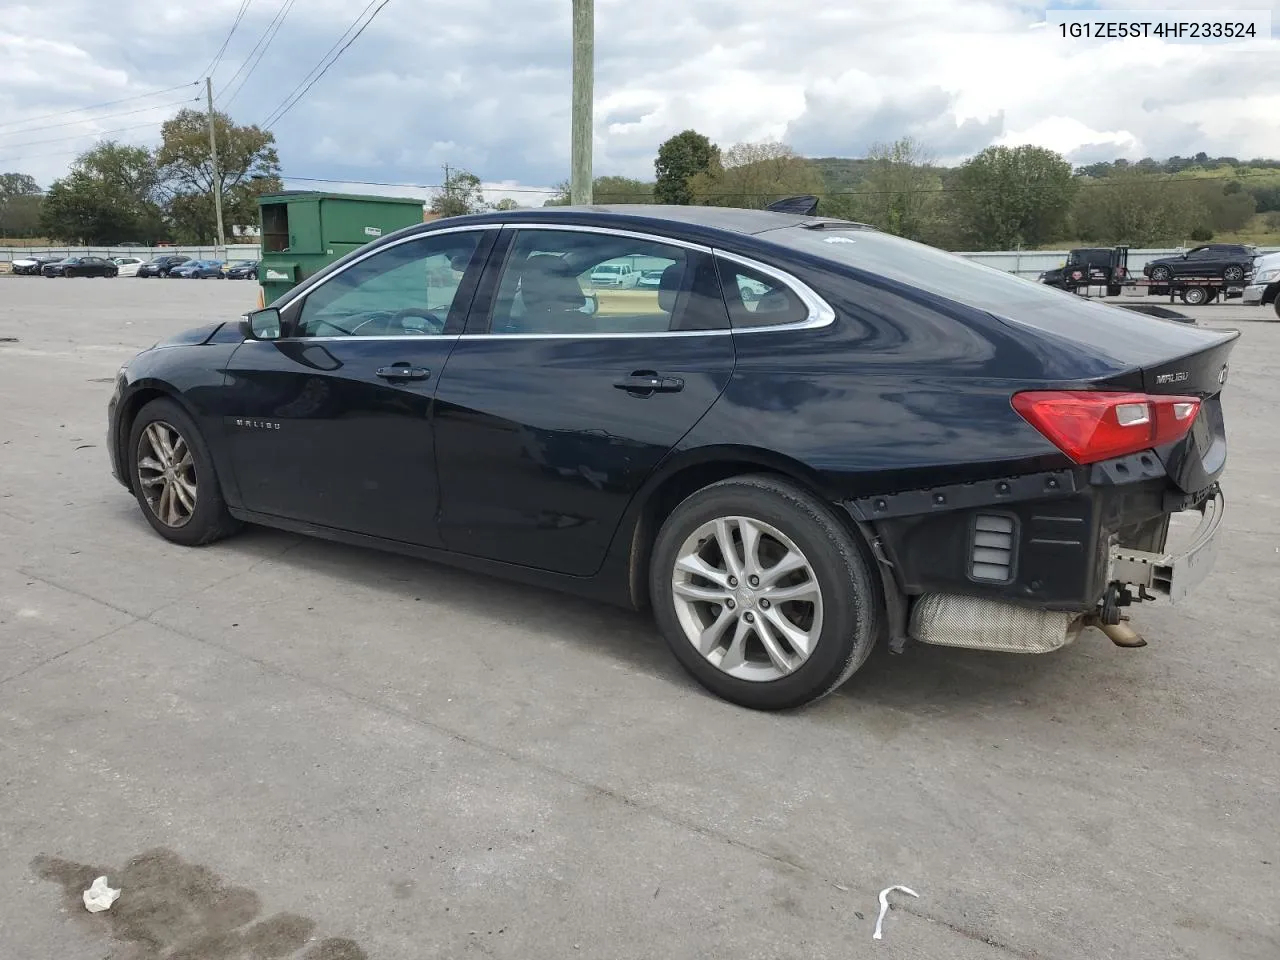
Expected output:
(724, 219)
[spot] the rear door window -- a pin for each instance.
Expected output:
(756, 299)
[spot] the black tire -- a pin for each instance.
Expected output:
(1195, 296)
(1114, 290)
(852, 602)
(210, 520)
(1233, 274)
(1276, 304)
(1160, 274)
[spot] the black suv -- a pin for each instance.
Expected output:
(1231, 262)
(160, 266)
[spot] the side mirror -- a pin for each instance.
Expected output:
(261, 324)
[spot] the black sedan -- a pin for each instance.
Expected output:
(248, 270)
(160, 266)
(81, 267)
(885, 443)
(1231, 262)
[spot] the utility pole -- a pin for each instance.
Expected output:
(217, 170)
(584, 67)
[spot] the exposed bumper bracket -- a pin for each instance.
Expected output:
(1174, 575)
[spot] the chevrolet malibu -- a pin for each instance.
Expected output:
(879, 443)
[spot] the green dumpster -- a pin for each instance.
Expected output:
(304, 231)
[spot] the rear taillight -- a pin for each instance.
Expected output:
(1090, 426)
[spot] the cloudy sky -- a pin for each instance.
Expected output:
(484, 85)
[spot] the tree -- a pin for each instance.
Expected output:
(460, 195)
(621, 190)
(900, 192)
(754, 175)
(109, 196)
(680, 158)
(19, 205)
(1006, 196)
(606, 190)
(249, 165)
(506, 203)
(1137, 209)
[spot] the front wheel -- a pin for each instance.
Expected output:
(174, 478)
(1233, 274)
(763, 594)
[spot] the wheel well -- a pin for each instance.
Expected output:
(132, 406)
(676, 488)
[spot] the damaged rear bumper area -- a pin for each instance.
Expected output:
(1024, 564)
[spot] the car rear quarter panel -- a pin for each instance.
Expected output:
(903, 390)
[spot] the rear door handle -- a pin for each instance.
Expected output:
(645, 382)
(402, 372)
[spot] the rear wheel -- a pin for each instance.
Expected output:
(1233, 273)
(1276, 303)
(763, 594)
(174, 478)
(1160, 274)
(1195, 296)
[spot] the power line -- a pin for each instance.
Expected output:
(260, 49)
(81, 136)
(109, 116)
(321, 61)
(96, 106)
(280, 114)
(64, 153)
(212, 68)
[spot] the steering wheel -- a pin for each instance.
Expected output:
(432, 323)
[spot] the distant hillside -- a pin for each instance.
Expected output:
(841, 173)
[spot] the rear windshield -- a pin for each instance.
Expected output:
(927, 268)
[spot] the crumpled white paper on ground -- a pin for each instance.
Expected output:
(884, 907)
(99, 896)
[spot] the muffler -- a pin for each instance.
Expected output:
(977, 623)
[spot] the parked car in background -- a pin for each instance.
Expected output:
(81, 267)
(198, 270)
(1227, 261)
(128, 266)
(891, 443)
(34, 266)
(160, 266)
(614, 275)
(245, 270)
(1264, 287)
(650, 279)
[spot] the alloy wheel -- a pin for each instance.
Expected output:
(1233, 273)
(747, 598)
(167, 473)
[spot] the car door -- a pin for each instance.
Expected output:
(331, 424)
(555, 406)
(1198, 263)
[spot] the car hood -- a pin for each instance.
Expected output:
(194, 336)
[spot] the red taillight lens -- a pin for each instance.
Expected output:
(1090, 426)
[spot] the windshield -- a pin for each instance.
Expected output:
(926, 268)
(608, 268)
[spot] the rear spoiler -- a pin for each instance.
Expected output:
(807, 205)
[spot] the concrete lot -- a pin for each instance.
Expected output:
(293, 748)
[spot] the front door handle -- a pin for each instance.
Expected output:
(646, 382)
(402, 371)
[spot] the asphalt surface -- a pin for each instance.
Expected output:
(283, 747)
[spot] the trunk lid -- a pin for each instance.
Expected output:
(1197, 460)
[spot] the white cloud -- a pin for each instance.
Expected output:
(485, 85)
